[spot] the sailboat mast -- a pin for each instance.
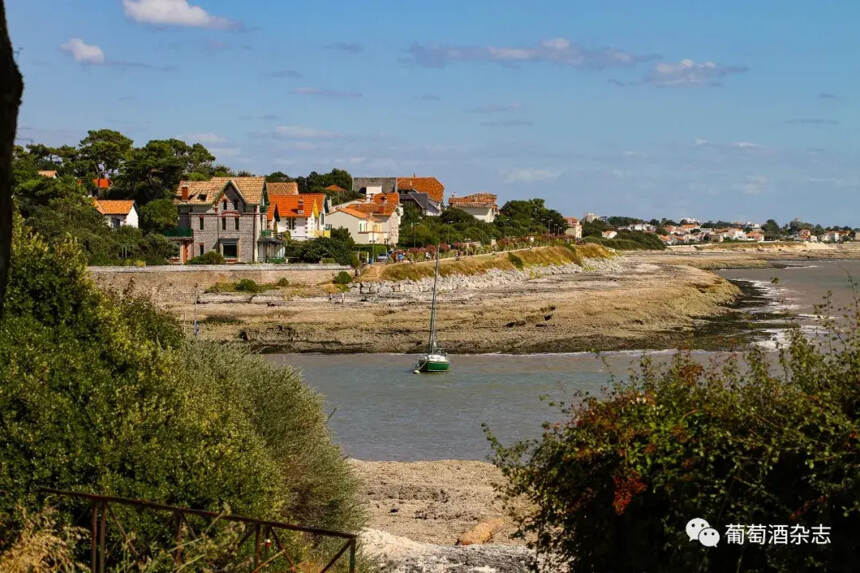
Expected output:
(432, 342)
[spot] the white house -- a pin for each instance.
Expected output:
(117, 213)
(481, 206)
(574, 227)
(303, 216)
(373, 222)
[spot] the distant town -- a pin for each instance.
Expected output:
(188, 209)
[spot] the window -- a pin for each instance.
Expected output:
(201, 249)
(230, 250)
(224, 205)
(223, 223)
(362, 226)
(236, 220)
(236, 205)
(201, 224)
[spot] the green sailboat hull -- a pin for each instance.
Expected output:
(433, 366)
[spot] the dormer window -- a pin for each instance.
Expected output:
(224, 205)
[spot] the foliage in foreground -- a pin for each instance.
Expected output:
(101, 393)
(742, 442)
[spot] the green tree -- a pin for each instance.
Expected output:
(744, 442)
(158, 216)
(772, 231)
(153, 171)
(103, 151)
(102, 393)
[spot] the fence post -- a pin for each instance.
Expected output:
(352, 556)
(94, 531)
(102, 537)
(257, 534)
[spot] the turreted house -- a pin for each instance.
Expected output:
(226, 215)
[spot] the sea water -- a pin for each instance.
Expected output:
(380, 410)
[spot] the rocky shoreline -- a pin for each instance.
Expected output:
(610, 304)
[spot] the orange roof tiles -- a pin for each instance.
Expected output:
(287, 206)
(50, 173)
(430, 185)
(113, 207)
(335, 188)
(474, 200)
(102, 182)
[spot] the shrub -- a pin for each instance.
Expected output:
(247, 285)
(342, 278)
(516, 261)
(283, 282)
(103, 394)
(208, 258)
(741, 442)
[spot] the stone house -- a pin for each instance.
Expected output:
(117, 213)
(481, 206)
(226, 215)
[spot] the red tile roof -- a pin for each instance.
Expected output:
(335, 188)
(113, 207)
(287, 206)
(102, 182)
(430, 185)
(474, 200)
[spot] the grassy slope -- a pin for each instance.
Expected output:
(539, 256)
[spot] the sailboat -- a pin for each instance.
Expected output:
(435, 360)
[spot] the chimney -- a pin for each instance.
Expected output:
(184, 192)
(301, 208)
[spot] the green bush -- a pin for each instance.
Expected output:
(283, 282)
(743, 442)
(516, 261)
(208, 258)
(247, 285)
(342, 278)
(102, 393)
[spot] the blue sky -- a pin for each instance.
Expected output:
(739, 110)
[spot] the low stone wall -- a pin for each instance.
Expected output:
(180, 282)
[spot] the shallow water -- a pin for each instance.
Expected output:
(382, 411)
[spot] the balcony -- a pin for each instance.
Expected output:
(179, 233)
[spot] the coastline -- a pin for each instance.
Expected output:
(623, 304)
(642, 300)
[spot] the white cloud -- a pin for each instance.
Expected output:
(746, 145)
(173, 13)
(204, 138)
(530, 175)
(689, 73)
(555, 50)
(83, 52)
(301, 132)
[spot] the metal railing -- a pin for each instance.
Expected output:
(268, 549)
